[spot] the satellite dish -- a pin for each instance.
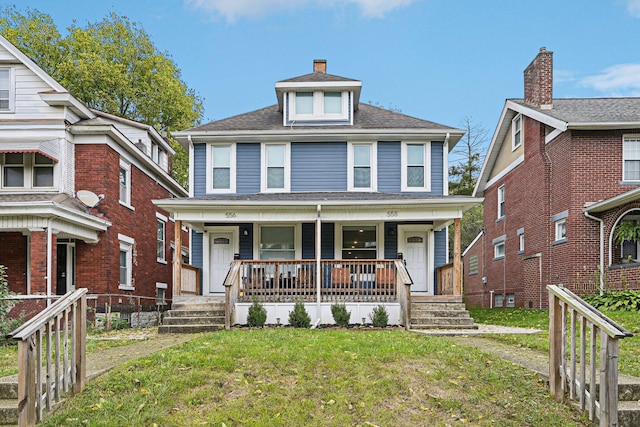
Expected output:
(88, 198)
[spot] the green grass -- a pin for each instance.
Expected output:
(629, 354)
(292, 377)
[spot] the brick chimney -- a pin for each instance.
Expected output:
(320, 66)
(538, 80)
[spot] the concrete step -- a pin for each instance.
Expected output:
(9, 387)
(628, 413)
(188, 329)
(193, 305)
(194, 313)
(8, 412)
(440, 313)
(428, 326)
(196, 320)
(438, 306)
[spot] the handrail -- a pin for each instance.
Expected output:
(563, 360)
(38, 391)
(404, 292)
(232, 288)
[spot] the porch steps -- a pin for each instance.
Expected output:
(9, 401)
(440, 312)
(628, 400)
(187, 317)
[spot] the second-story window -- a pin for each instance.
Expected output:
(361, 161)
(631, 158)
(125, 183)
(161, 237)
(415, 166)
(26, 170)
(221, 166)
(501, 195)
(275, 168)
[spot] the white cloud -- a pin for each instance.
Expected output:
(633, 7)
(232, 10)
(618, 79)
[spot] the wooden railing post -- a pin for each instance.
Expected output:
(27, 383)
(555, 347)
(457, 258)
(608, 380)
(80, 344)
(177, 259)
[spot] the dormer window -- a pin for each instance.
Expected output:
(6, 90)
(318, 106)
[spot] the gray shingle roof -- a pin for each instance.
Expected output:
(318, 77)
(367, 117)
(592, 110)
(56, 198)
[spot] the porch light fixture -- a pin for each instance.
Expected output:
(391, 232)
(245, 232)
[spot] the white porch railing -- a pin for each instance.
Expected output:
(568, 370)
(53, 341)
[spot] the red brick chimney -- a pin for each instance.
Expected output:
(538, 80)
(320, 66)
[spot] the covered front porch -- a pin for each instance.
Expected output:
(359, 249)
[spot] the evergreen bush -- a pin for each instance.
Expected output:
(379, 317)
(257, 314)
(340, 315)
(298, 317)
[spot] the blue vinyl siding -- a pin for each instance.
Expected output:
(248, 168)
(390, 240)
(196, 251)
(318, 166)
(199, 169)
(437, 171)
(389, 167)
(440, 255)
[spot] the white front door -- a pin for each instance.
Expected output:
(414, 248)
(221, 256)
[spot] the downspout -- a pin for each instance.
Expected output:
(586, 214)
(318, 264)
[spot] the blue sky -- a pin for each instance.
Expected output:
(438, 60)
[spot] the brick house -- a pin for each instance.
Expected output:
(76, 187)
(317, 196)
(559, 176)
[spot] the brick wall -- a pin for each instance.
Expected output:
(98, 264)
(13, 255)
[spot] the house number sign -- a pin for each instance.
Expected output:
(230, 214)
(392, 214)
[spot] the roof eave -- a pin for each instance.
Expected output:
(613, 202)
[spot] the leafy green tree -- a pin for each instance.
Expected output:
(113, 66)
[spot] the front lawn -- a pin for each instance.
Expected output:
(294, 377)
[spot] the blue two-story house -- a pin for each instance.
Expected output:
(317, 198)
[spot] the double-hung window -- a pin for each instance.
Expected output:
(125, 280)
(277, 242)
(499, 247)
(359, 242)
(125, 183)
(221, 164)
(631, 158)
(362, 160)
(275, 168)
(501, 195)
(416, 158)
(13, 170)
(516, 132)
(6, 90)
(161, 238)
(319, 106)
(560, 226)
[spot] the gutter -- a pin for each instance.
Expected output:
(601, 266)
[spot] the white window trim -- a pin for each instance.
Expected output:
(427, 167)
(624, 159)
(163, 219)
(12, 91)
(516, 119)
(297, 237)
(126, 166)
(232, 170)
(28, 174)
(521, 243)
(126, 244)
(558, 237)
(501, 202)
(338, 243)
(496, 255)
(318, 107)
(287, 168)
(373, 166)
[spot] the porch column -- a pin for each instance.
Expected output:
(41, 259)
(457, 260)
(177, 258)
(318, 257)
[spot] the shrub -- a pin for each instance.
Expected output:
(298, 317)
(6, 325)
(379, 317)
(340, 315)
(626, 300)
(257, 314)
